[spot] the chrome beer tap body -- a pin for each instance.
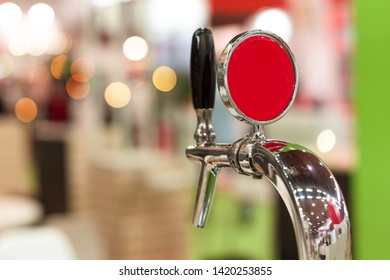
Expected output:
(306, 185)
(308, 188)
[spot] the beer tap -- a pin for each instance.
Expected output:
(257, 80)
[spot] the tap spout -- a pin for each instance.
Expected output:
(310, 192)
(212, 158)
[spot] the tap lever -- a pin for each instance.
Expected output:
(203, 69)
(203, 83)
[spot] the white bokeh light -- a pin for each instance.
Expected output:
(175, 16)
(41, 15)
(10, 15)
(6, 65)
(58, 43)
(326, 141)
(117, 95)
(19, 44)
(275, 20)
(39, 44)
(106, 3)
(135, 48)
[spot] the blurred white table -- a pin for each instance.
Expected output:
(18, 211)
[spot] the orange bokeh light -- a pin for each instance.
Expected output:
(82, 69)
(77, 90)
(57, 66)
(26, 110)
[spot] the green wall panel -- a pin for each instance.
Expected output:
(371, 188)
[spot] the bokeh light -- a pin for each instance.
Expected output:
(39, 44)
(19, 44)
(6, 65)
(135, 48)
(175, 16)
(57, 66)
(36, 40)
(117, 95)
(26, 110)
(59, 43)
(164, 78)
(326, 141)
(40, 15)
(10, 15)
(103, 3)
(274, 20)
(82, 69)
(77, 90)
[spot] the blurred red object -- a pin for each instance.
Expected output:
(231, 11)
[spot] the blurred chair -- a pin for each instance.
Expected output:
(35, 243)
(16, 158)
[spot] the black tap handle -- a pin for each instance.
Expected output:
(203, 69)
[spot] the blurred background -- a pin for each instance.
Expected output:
(96, 113)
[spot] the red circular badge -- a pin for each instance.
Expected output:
(260, 77)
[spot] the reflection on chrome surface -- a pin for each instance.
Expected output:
(308, 188)
(312, 196)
